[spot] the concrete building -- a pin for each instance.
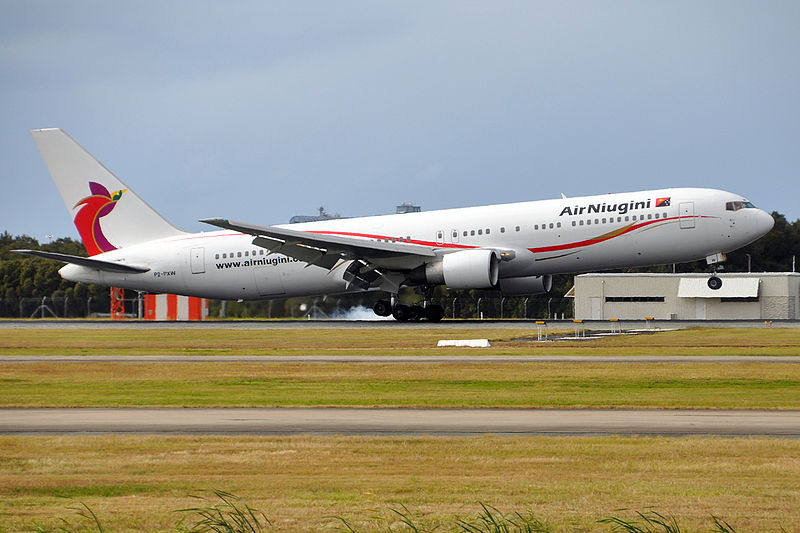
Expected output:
(766, 295)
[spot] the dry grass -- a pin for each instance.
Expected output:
(133, 483)
(385, 341)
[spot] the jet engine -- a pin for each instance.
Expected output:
(526, 285)
(467, 269)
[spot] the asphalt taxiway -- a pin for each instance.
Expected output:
(594, 325)
(411, 359)
(398, 421)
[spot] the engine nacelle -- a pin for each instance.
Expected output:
(467, 269)
(526, 285)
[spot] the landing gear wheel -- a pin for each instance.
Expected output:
(382, 308)
(401, 313)
(714, 283)
(417, 312)
(434, 313)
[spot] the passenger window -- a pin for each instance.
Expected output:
(581, 222)
(517, 228)
(216, 256)
(480, 232)
(649, 216)
(536, 226)
(634, 218)
(619, 219)
(589, 222)
(551, 225)
(596, 221)
(246, 253)
(573, 222)
(558, 224)
(472, 233)
(627, 218)
(487, 231)
(455, 234)
(238, 254)
(465, 233)
(502, 229)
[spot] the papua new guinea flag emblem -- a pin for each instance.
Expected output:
(663, 202)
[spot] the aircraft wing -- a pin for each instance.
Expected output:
(283, 240)
(372, 259)
(98, 264)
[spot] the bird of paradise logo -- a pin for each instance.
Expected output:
(87, 220)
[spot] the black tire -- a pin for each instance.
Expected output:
(401, 313)
(382, 308)
(714, 283)
(434, 313)
(417, 312)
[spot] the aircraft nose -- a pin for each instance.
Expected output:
(765, 222)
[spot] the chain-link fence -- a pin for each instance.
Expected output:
(465, 308)
(64, 307)
(507, 308)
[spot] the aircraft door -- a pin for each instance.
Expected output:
(197, 260)
(687, 214)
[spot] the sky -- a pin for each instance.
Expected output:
(259, 111)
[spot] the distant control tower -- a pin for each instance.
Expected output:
(323, 215)
(407, 207)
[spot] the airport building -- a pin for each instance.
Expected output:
(743, 296)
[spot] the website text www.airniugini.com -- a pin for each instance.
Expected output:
(274, 261)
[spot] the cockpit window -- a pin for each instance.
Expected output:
(735, 206)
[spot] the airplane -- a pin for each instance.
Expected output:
(515, 248)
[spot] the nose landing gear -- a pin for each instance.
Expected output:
(715, 282)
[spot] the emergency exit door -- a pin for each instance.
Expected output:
(197, 261)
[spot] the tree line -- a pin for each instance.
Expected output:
(24, 281)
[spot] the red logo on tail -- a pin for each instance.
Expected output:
(87, 220)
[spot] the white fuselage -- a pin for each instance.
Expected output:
(547, 237)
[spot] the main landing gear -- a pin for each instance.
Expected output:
(405, 313)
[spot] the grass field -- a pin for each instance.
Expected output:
(641, 385)
(388, 341)
(134, 483)
(612, 385)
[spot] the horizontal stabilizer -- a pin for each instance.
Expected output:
(108, 266)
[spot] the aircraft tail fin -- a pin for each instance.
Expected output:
(106, 212)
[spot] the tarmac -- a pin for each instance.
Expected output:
(398, 421)
(591, 325)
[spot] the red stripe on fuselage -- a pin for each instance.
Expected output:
(384, 238)
(589, 242)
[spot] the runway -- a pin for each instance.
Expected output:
(416, 359)
(393, 421)
(447, 324)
